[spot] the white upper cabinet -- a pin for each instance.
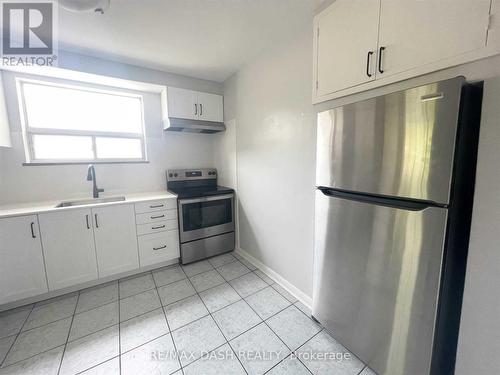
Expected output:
(68, 246)
(182, 103)
(346, 43)
(4, 119)
(415, 33)
(192, 105)
(115, 239)
(494, 30)
(364, 44)
(22, 271)
(210, 107)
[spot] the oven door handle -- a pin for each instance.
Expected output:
(206, 199)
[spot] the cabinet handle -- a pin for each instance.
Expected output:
(87, 220)
(368, 58)
(195, 109)
(157, 206)
(157, 217)
(159, 248)
(201, 109)
(159, 227)
(380, 50)
(32, 225)
(96, 223)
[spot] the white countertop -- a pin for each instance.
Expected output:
(19, 209)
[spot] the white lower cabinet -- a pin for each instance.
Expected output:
(68, 246)
(158, 247)
(115, 239)
(22, 271)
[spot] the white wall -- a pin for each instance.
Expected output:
(479, 342)
(166, 150)
(270, 100)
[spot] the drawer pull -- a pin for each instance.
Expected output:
(159, 248)
(158, 227)
(157, 206)
(157, 217)
(33, 230)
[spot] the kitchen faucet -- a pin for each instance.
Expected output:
(91, 177)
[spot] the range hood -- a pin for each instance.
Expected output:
(193, 126)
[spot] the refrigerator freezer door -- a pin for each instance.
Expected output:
(376, 280)
(401, 144)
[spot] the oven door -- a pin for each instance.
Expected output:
(205, 217)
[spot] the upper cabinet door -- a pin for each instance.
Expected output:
(210, 107)
(183, 103)
(115, 239)
(4, 119)
(22, 272)
(68, 246)
(345, 45)
(415, 32)
(494, 31)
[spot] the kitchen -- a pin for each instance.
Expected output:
(267, 154)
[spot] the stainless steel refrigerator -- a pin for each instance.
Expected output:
(395, 180)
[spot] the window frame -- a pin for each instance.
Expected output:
(29, 132)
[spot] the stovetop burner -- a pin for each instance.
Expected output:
(192, 183)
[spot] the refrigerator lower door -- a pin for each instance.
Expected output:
(376, 280)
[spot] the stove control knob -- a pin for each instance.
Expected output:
(170, 175)
(175, 174)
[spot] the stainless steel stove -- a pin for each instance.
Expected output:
(206, 213)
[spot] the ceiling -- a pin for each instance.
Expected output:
(209, 39)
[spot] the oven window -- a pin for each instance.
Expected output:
(206, 214)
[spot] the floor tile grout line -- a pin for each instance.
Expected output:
(135, 294)
(98, 364)
(211, 351)
(96, 307)
(46, 324)
(88, 334)
(295, 351)
(284, 359)
(69, 342)
(265, 322)
(296, 300)
(213, 287)
(17, 336)
(168, 325)
(69, 332)
(218, 327)
(228, 253)
(119, 331)
(163, 307)
(120, 299)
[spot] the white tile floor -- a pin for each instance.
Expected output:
(217, 316)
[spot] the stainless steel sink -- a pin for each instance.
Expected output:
(85, 202)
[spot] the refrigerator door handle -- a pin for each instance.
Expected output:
(404, 204)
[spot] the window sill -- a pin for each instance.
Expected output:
(36, 164)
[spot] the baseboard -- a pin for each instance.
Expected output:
(297, 293)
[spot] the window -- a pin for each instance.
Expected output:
(71, 124)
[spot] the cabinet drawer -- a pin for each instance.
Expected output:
(151, 206)
(153, 217)
(158, 247)
(160, 226)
